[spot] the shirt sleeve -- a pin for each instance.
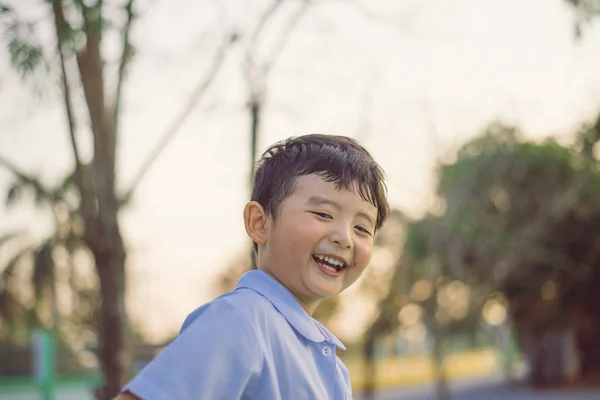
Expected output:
(215, 356)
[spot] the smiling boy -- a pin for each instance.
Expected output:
(317, 202)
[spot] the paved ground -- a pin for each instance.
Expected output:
(486, 389)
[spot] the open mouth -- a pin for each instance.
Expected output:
(330, 264)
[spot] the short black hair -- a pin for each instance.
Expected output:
(337, 159)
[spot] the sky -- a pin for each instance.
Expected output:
(411, 79)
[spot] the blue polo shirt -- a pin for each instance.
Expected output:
(255, 342)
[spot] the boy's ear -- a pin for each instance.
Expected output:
(255, 221)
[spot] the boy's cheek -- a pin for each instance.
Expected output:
(363, 256)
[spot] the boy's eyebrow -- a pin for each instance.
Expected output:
(318, 200)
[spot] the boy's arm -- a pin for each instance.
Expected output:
(127, 396)
(216, 355)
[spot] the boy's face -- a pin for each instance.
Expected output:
(318, 228)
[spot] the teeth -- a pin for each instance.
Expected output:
(330, 260)
(333, 261)
(329, 268)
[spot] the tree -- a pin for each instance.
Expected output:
(257, 68)
(16, 317)
(527, 227)
(33, 275)
(46, 257)
(40, 255)
(423, 285)
(530, 230)
(519, 218)
(80, 27)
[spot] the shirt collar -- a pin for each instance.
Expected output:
(288, 306)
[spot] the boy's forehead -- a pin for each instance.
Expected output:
(315, 182)
(315, 189)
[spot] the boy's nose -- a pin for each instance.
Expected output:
(342, 238)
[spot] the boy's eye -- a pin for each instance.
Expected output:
(363, 230)
(323, 215)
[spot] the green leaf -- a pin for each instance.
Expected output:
(25, 57)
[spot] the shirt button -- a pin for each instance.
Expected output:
(326, 351)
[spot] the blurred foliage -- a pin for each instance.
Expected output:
(519, 214)
(39, 268)
(94, 76)
(586, 11)
(519, 218)
(26, 52)
(50, 269)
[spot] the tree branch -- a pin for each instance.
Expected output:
(284, 37)
(178, 121)
(91, 70)
(34, 183)
(257, 73)
(19, 173)
(61, 30)
(125, 58)
(251, 49)
(264, 18)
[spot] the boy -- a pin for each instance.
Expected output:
(316, 203)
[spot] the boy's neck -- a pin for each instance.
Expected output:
(308, 307)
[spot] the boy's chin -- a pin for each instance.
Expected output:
(325, 292)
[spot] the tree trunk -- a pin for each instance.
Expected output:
(255, 110)
(115, 354)
(588, 329)
(535, 356)
(441, 380)
(552, 357)
(100, 211)
(369, 367)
